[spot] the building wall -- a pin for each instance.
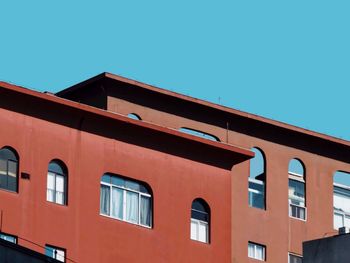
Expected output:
(327, 250)
(78, 227)
(272, 227)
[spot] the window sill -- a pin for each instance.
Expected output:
(64, 205)
(148, 227)
(9, 191)
(297, 218)
(199, 242)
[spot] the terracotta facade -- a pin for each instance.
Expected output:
(178, 168)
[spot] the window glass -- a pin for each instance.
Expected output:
(59, 189)
(256, 251)
(117, 181)
(194, 229)
(50, 186)
(143, 189)
(117, 203)
(251, 250)
(297, 192)
(296, 167)
(145, 210)
(8, 238)
(199, 134)
(202, 231)
(104, 199)
(257, 180)
(200, 221)
(341, 199)
(56, 183)
(296, 189)
(130, 200)
(8, 170)
(3, 167)
(7, 154)
(55, 167)
(132, 207)
(295, 259)
(134, 116)
(106, 178)
(56, 253)
(132, 185)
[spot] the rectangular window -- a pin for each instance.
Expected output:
(8, 238)
(256, 251)
(296, 191)
(294, 259)
(256, 193)
(199, 230)
(56, 253)
(125, 200)
(55, 188)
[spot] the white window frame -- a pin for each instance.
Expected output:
(57, 250)
(255, 251)
(340, 212)
(197, 223)
(55, 189)
(298, 178)
(125, 190)
(295, 255)
(250, 190)
(298, 207)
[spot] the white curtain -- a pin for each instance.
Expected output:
(104, 199)
(251, 252)
(194, 226)
(50, 187)
(117, 203)
(132, 207)
(259, 252)
(145, 211)
(59, 189)
(203, 232)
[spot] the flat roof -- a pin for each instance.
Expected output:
(239, 154)
(215, 106)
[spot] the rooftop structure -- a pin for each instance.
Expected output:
(114, 169)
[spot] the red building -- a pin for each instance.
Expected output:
(113, 170)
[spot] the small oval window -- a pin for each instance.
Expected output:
(134, 116)
(200, 134)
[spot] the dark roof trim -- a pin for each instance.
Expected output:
(254, 117)
(231, 154)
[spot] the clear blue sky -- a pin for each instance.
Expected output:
(286, 60)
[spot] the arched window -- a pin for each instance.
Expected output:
(201, 134)
(257, 180)
(125, 199)
(134, 116)
(57, 182)
(341, 199)
(200, 221)
(296, 189)
(8, 169)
